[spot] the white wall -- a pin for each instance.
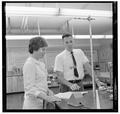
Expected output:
(17, 50)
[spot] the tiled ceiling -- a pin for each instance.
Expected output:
(50, 25)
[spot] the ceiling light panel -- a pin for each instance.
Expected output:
(29, 11)
(20, 37)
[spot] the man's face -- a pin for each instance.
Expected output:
(68, 43)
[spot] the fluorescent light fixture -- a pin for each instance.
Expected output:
(92, 13)
(93, 36)
(19, 37)
(52, 36)
(108, 36)
(23, 37)
(29, 11)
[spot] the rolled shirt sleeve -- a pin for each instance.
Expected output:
(58, 66)
(84, 58)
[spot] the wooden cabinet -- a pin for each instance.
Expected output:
(20, 85)
(15, 101)
(9, 84)
(14, 84)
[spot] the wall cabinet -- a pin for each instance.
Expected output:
(14, 84)
(16, 56)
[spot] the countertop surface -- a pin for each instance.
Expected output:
(87, 102)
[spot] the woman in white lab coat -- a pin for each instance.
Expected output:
(35, 76)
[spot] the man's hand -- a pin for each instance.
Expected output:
(74, 87)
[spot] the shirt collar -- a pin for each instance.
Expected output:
(34, 60)
(68, 52)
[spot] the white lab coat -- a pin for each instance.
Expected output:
(35, 82)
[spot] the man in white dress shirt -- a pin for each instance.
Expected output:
(70, 65)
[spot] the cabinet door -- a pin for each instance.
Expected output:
(9, 84)
(14, 84)
(20, 86)
(15, 101)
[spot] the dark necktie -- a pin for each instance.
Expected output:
(75, 68)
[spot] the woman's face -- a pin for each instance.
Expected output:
(41, 52)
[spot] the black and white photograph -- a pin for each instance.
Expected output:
(59, 56)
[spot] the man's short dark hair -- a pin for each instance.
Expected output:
(66, 35)
(36, 43)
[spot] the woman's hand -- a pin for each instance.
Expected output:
(53, 99)
(49, 98)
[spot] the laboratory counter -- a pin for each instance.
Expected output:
(15, 91)
(86, 101)
(15, 84)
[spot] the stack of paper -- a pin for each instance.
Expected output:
(67, 95)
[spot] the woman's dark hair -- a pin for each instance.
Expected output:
(66, 35)
(36, 43)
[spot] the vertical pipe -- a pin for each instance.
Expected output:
(91, 49)
(72, 30)
(97, 100)
(68, 26)
(23, 20)
(38, 28)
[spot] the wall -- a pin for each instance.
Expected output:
(17, 51)
(105, 54)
